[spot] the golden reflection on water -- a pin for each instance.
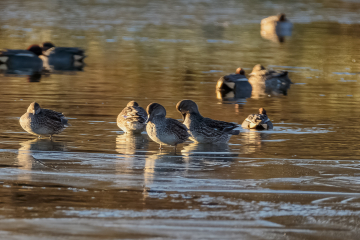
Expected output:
(136, 52)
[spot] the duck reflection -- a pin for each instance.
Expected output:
(132, 143)
(28, 149)
(130, 146)
(162, 165)
(208, 152)
(252, 140)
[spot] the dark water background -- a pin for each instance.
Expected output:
(298, 181)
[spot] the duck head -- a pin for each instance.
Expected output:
(47, 45)
(227, 83)
(155, 110)
(282, 17)
(240, 71)
(132, 104)
(34, 108)
(187, 107)
(262, 111)
(257, 68)
(36, 49)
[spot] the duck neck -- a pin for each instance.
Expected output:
(158, 119)
(194, 116)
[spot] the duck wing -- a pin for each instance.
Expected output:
(54, 116)
(20, 52)
(179, 129)
(73, 50)
(219, 125)
(281, 75)
(134, 114)
(257, 118)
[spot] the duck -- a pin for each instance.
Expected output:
(62, 58)
(43, 122)
(265, 82)
(276, 28)
(258, 121)
(162, 130)
(278, 23)
(234, 85)
(204, 130)
(22, 60)
(132, 118)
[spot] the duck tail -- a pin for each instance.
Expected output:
(65, 122)
(235, 132)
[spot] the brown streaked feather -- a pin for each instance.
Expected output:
(134, 114)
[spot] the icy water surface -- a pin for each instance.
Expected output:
(300, 180)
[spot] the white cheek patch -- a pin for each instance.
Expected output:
(253, 125)
(4, 59)
(230, 84)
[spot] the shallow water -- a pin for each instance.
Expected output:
(300, 180)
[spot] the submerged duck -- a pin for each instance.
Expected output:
(43, 122)
(266, 81)
(258, 121)
(205, 130)
(22, 60)
(236, 83)
(164, 130)
(62, 58)
(132, 118)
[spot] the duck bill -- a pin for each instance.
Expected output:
(183, 116)
(149, 119)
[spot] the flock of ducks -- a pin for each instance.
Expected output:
(134, 119)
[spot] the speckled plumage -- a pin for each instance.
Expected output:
(132, 118)
(204, 130)
(164, 130)
(43, 122)
(258, 121)
(267, 81)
